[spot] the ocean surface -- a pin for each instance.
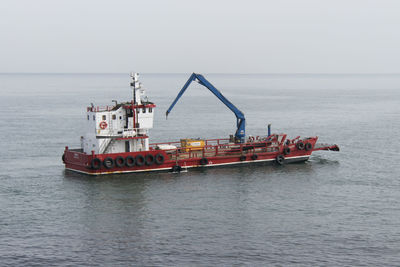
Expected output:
(337, 209)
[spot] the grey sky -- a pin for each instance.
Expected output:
(311, 36)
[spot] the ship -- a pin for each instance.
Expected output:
(117, 140)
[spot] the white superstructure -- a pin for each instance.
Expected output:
(122, 127)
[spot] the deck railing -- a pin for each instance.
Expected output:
(218, 148)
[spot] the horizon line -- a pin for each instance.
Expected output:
(212, 73)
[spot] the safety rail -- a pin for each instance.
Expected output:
(125, 105)
(115, 133)
(100, 109)
(207, 142)
(130, 132)
(165, 143)
(221, 150)
(217, 141)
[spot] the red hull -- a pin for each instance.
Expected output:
(212, 155)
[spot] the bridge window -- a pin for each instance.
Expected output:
(150, 110)
(94, 117)
(144, 110)
(104, 117)
(87, 117)
(114, 116)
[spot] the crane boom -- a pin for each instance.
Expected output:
(240, 119)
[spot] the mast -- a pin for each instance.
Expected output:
(135, 85)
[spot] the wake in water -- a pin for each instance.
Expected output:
(317, 159)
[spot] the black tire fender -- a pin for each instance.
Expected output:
(160, 159)
(308, 146)
(286, 150)
(120, 161)
(95, 164)
(204, 161)
(150, 159)
(300, 145)
(109, 163)
(140, 160)
(176, 168)
(130, 161)
(280, 159)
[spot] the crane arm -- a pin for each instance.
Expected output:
(240, 119)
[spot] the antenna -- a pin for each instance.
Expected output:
(134, 78)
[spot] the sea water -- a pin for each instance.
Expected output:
(339, 208)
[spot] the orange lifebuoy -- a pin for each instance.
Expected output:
(103, 125)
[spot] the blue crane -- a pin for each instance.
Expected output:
(240, 133)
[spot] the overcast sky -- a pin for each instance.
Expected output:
(310, 36)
